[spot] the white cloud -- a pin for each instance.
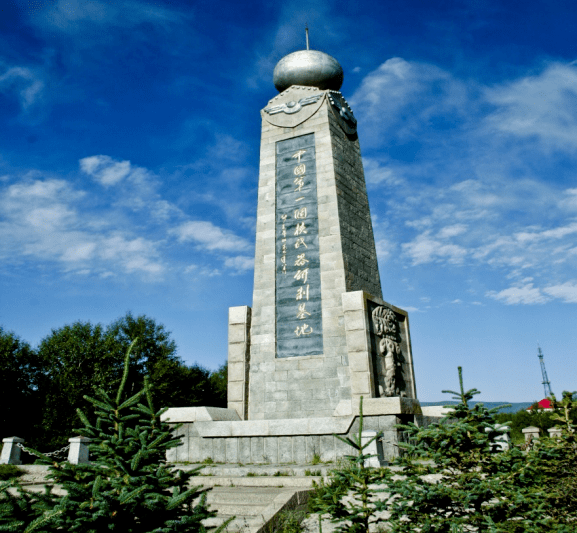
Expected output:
(570, 200)
(452, 231)
(240, 263)
(136, 187)
(104, 169)
(565, 291)
(464, 181)
(25, 83)
(74, 16)
(378, 173)
(425, 249)
(210, 237)
(522, 294)
(542, 106)
(410, 95)
(385, 248)
(550, 234)
(228, 148)
(124, 227)
(202, 271)
(46, 220)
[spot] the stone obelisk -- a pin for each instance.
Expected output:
(314, 340)
(318, 335)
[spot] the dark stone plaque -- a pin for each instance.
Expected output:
(299, 327)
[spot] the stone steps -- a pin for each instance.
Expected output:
(252, 507)
(273, 482)
(252, 493)
(259, 470)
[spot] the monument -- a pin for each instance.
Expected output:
(319, 334)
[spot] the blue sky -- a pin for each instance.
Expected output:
(129, 163)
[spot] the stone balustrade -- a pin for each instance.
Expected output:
(12, 448)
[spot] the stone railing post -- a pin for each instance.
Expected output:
(502, 441)
(78, 452)
(554, 433)
(531, 433)
(11, 452)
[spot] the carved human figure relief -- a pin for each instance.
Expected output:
(390, 357)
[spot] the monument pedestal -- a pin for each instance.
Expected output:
(215, 434)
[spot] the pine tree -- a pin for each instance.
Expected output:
(127, 486)
(456, 479)
(556, 459)
(451, 477)
(349, 495)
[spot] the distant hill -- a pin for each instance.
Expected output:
(489, 405)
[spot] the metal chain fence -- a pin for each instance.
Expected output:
(60, 452)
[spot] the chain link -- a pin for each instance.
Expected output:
(50, 454)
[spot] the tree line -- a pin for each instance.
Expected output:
(41, 388)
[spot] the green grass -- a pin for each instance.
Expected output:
(278, 473)
(287, 522)
(316, 459)
(313, 473)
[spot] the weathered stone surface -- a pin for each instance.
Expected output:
(380, 406)
(231, 450)
(283, 448)
(244, 450)
(271, 427)
(271, 449)
(370, 437)
(198, 414)
(435, 410)
(239, 322)
(219, 450)
(238, 315)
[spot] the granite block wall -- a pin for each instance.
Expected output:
(282, 449)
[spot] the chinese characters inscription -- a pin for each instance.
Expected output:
(298, 284)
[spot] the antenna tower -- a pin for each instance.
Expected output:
(546, 382)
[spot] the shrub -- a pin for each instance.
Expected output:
(454, 479)
(127, 486)
(9, 472)
(556, 460)
(354, 481)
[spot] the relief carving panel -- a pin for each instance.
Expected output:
(390, 360)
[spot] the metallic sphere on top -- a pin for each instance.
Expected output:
(310, 68)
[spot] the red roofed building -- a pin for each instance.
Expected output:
(544, 404)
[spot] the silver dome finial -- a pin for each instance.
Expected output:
(310, 68)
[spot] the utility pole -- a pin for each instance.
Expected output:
(546, 382)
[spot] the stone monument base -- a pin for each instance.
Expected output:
(218, 434)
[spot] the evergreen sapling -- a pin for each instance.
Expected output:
(127, 486)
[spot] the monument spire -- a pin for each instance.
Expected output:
(318, 335)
